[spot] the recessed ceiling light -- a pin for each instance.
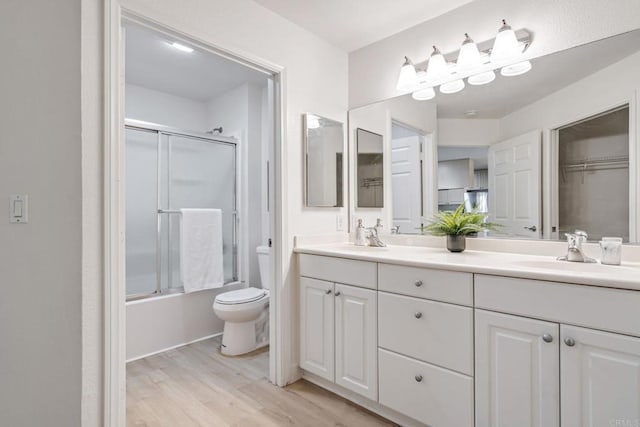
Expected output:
(471, 113)
(181, 47)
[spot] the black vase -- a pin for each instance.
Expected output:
(456, 243)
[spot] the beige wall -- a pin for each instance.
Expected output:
(40, 262)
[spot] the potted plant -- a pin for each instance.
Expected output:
(456, 225)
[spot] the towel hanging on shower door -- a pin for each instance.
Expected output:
(201, 256)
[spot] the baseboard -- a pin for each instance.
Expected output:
(367, 404)
(174, 347)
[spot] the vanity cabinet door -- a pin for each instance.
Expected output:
(317, 327)
(517, 371)
(600, 378)
(356, 340)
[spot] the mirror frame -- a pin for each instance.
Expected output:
(340, 196)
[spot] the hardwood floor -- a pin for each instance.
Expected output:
(197, 386)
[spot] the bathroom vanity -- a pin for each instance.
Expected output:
(423, 336)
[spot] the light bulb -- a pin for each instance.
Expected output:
(437, 67)
(408, 79)
(452, 87)
(469, 56)
(482, 78)
(424, 94)
(516, 69)
(506, 45)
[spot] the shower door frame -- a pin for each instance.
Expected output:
(282, 367)
(237, 231)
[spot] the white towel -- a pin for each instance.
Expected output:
(201, 265)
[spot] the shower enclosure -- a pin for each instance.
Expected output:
(167, 170)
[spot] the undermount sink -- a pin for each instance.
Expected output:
(554, 264)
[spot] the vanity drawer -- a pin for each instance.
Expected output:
(440, 399)
(607, 309)
(339, 270)
(441, 285)
(430, 331)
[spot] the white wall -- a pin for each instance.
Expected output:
(607, 88)
(378, 118)
(40, 155)
(165, 109)
(468, 132)
(556, 25)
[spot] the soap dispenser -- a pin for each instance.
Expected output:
(361, 235)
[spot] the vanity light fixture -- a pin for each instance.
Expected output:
(452, 87)
(516, 69)
(181, 47)
(408, 78)
(424, 94)
(477, 66)
(469, 56)
(506, 46)
(437, 67)
(482, 78)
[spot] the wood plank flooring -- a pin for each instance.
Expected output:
(195, 385)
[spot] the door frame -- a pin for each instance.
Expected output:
(114, 362)
(550, 174)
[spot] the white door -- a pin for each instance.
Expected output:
(517, 371)
(600, 378)
(357, 340)
(406, 181)
(515, 170)
(317, 327)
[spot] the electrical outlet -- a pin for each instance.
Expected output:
(339, 223)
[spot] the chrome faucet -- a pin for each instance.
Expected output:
(395, 229)
(574, 251)
(373, 238)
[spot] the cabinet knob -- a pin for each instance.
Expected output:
(418, 378)
(547, 338)
(338, 293)
(328, 291)
(570, 341)
(418, 315)
(418, 283)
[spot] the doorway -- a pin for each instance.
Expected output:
(185, 146)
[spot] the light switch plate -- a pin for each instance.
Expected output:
(19, 208)
(339, 223)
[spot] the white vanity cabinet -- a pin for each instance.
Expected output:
(517, 371)
(600, 378)
(338, 324)
(546, 372)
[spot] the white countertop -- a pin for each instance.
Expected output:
(625, 276)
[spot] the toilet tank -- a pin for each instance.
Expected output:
(264, 263)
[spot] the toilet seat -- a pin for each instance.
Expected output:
(241, 296)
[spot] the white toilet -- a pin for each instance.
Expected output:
(246, 312)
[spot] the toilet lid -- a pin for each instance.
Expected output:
(241, 296)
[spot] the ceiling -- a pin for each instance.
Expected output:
(151, 62)
(352, 24)
(549, 74)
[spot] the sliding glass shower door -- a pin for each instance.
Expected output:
(187, 172)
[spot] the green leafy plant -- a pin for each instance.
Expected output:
(458, 223)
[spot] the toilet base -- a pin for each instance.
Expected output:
(240, 338)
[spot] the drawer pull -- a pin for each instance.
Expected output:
(418, 378)
(418, 315)
(569, 342)
(328, 291)
(338, 293)
(418, 283)
(547, 338)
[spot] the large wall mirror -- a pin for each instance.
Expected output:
(543, 153)
(324, 164)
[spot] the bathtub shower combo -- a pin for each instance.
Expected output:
(168, 170)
